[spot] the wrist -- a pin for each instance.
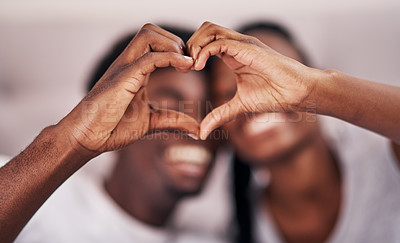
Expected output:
(309, 90)
(324, 93)
(68, 146)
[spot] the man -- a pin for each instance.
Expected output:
(303, 178)
(151, 176)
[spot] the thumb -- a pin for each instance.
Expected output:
(172, 120)
(220, 116)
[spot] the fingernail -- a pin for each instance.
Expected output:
(195, 137)
(203, 135)
(195, 64)
(188, 58)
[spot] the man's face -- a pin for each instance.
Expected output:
(269, 136)
(173, 160)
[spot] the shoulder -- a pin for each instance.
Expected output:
(357, 145)
(63, 216)
(371, 179)
(367, 162)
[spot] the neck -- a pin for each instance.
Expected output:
(306, 177)
(151, 203)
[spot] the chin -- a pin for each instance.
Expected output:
(260, 157)
(186, 189)
(186, 167)
(265, 152)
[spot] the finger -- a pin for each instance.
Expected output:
(159, 40)
(220, 116)
(122, 87)
(208, 33)
(182, 70)
(152, 60)
(242, 52)
(165, 33)
(134, 75)
(230, 61)
(161, 120)
(131, 123)
(191, 47)
(149, 40)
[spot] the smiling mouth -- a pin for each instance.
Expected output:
(192, 154)
(192, 160)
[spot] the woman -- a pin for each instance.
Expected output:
(300, 179)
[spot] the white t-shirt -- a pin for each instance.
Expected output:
(3, 159)
(81, 210)
(370, 209)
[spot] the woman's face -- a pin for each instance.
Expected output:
(269, 136)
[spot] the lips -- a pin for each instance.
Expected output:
(189, 160)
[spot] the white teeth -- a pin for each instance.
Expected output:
(264, 122)
(188, 153)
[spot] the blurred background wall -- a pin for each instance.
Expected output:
(48, 48)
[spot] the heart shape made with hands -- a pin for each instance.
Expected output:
(266, 80)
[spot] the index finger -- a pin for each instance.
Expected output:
(165, 33)
(207, 33)
(150, 38)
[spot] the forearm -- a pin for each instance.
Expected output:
(367, 104)
(32, 176)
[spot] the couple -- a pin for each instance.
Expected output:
(292, 183)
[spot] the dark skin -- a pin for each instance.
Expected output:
(97, 124)
(304, 194)
(144, 182)
(268, 81)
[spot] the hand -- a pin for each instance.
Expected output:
(266, 80)
(116, 112)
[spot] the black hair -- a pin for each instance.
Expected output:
(241, 170)
(243, 207)
(269, 27)
(119, 47)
